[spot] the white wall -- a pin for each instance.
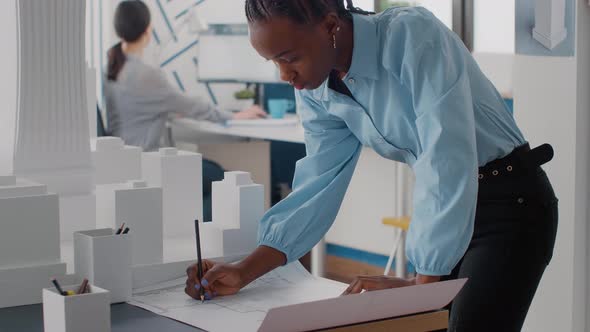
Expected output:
(370, 197)
(8, 87)
(581, 259)
(499, 69)
(94, 54)
(545, 109)
(494, 26)
(552, 105)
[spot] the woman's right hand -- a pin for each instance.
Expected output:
(219, 279)
(227, 279)
(251, 113)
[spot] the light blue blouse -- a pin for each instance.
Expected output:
(419, 98)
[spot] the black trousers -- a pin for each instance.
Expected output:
(513, 240)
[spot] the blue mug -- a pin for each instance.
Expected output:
(278, 107)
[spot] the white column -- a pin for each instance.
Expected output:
(52, 138)
(549, 27)
(8, 90)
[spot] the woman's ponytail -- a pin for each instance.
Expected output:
(116, 61)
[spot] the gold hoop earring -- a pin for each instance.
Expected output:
(334, 38)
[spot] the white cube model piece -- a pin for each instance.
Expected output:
(104, 258)
(29, 224)
(549, 27)
(29, 241)
(238, 206)
(179, 174)
(90, 312)
(140, 208)
(22, 285)
(114, 162)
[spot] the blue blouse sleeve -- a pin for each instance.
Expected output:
(298, 222)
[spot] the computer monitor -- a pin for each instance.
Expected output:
(225, 54)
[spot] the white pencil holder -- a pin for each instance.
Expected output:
(89, 312)
(104, 258)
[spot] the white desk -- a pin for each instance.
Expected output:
(292, 134)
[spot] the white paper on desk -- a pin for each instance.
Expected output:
(365, 307)
(290, 121)
(244, 311)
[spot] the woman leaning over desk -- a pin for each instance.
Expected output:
(403, 84)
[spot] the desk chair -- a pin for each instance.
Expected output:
(401, 226)
(101, 130)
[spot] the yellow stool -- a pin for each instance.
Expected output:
(402, 224)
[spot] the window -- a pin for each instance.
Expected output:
(368, 5)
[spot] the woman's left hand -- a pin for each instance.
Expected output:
(371, 283)
(367, 283)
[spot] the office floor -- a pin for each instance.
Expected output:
(344, 269)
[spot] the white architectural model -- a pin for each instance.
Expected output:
(179, 174)
(114, 162)
(238, 206)
(51, 141)
(29, 241)
(52, 148)
(140, 208)
(549, 27)
(52, 144)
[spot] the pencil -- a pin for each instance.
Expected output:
(58, 287)
(199, 261)
(82, 288)
(120, 229)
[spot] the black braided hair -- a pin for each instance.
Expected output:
(300, 11)
(132, 18)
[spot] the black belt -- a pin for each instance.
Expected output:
(520, 161)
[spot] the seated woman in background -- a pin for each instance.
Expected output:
(140, 98)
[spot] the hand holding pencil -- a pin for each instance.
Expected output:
(197, 286)
(227, 280)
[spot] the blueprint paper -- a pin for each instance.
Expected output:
(245, 311)
(290, 299)
(359, 308)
